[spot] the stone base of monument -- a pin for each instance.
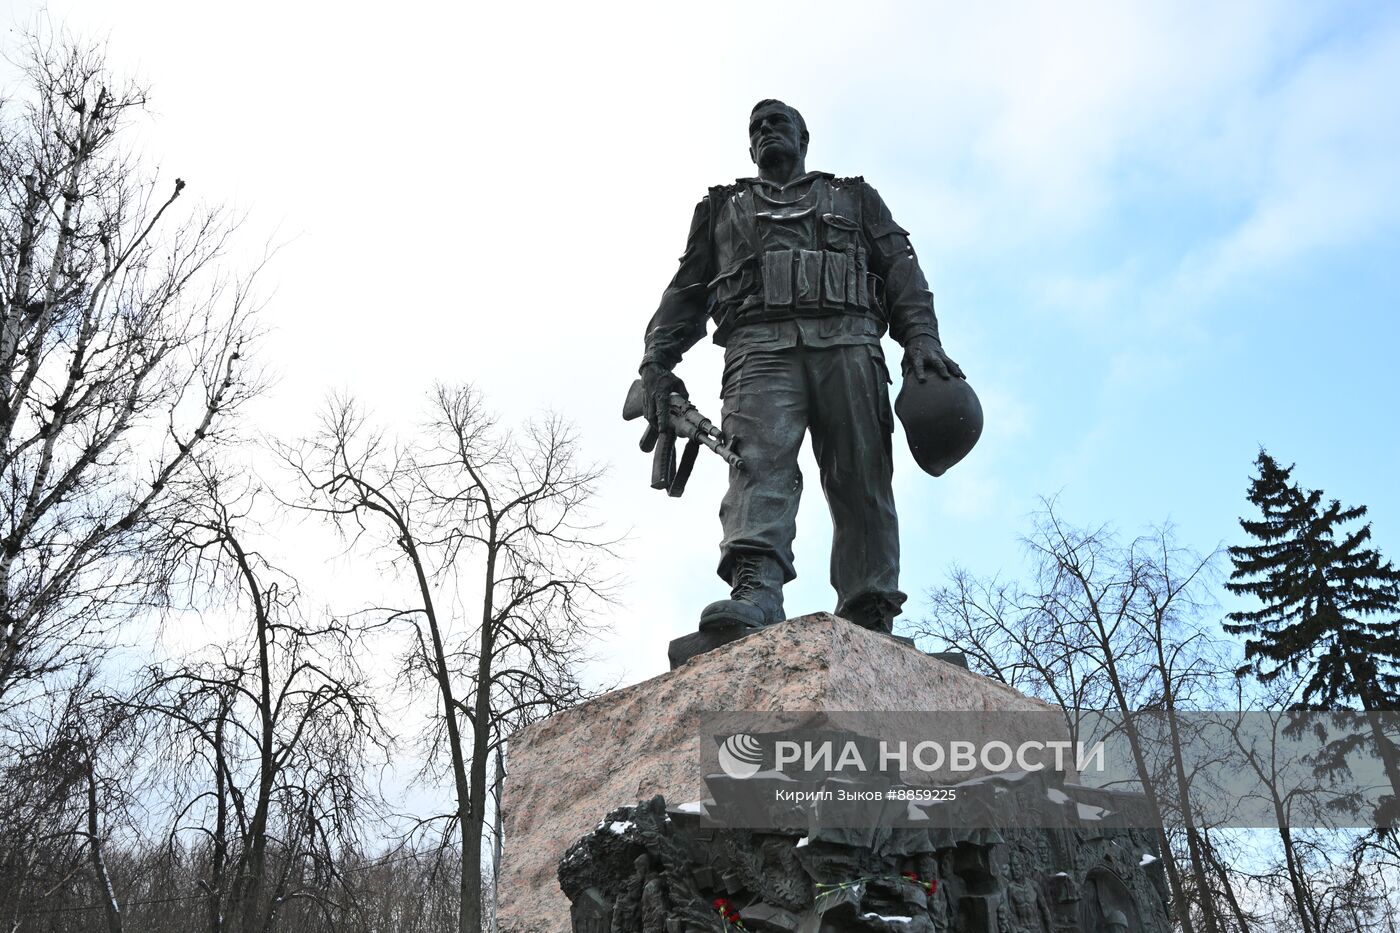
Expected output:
(566, 773)
(682, 649)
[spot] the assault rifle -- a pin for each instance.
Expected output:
(685, 421)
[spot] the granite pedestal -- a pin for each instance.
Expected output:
(640, 741)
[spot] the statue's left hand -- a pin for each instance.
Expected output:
(923, 355)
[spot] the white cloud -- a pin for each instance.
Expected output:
(498, 193)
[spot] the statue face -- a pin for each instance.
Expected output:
(774, 136)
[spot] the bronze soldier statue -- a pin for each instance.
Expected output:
(801, 273)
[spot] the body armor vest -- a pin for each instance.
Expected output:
(780, 257)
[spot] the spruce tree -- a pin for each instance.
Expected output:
(1329, 606)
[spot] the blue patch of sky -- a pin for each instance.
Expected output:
(1143, 410)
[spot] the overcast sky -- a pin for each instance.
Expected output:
(1160, 236)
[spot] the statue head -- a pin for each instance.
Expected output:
(777, 133)
(1016, 864)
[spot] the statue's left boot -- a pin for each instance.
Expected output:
(755, 598)
(871, 610)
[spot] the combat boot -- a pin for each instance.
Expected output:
(877, 620)
(873, 611)
(756, 597)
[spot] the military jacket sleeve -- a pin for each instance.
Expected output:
(679, 322)
(907, 299)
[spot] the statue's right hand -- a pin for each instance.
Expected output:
(657, 385)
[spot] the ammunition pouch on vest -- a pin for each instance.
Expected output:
(781, 260)
(803, 280)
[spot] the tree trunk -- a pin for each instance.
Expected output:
(1183, 788)
(111, 909)
(1384, 746)
(1222, 872)
(497, 841)
(1181, 904)
(252, 880)
(481, 743)
(219, 857)
(470, 910)
(1307, 915)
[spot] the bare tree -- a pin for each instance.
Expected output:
(1012, 633)
(120, 341)
(1290, 786)
(278, 723)
(1103, 627)
(70, 793)
(465, 509)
